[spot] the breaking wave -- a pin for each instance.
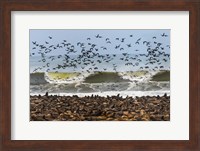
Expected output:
(99, 82)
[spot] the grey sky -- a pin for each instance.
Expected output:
(77, 35)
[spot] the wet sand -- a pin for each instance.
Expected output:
(99, 108)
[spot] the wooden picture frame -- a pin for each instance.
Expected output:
(193, 6)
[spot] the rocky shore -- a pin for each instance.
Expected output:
(98, 108)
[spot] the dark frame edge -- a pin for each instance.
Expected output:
(5, 111)
(1, 121)
(7, 144)
(198, 43)
(1, 75)
(194, 86)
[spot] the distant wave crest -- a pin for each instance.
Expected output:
(99, 82)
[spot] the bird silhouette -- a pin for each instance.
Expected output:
(164, 35)
(88, 56)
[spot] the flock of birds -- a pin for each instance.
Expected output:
(87, 56)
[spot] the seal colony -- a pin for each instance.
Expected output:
(99, 108)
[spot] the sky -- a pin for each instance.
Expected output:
(74, 36)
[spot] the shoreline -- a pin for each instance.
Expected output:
(111, 93)
(99, 108)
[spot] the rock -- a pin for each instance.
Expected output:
(54, 114)
(109, 119)
(142, 112)
(133, 113)
(38, 101)
(126, 112)
(166, 117)
(101, 118)
(48, 117)
(61, 110)
(110, 115)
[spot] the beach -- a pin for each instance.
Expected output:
(100, 75)
(100, 96)
(99, 108)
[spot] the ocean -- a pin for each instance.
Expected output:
(106, 76)
(133, 62)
